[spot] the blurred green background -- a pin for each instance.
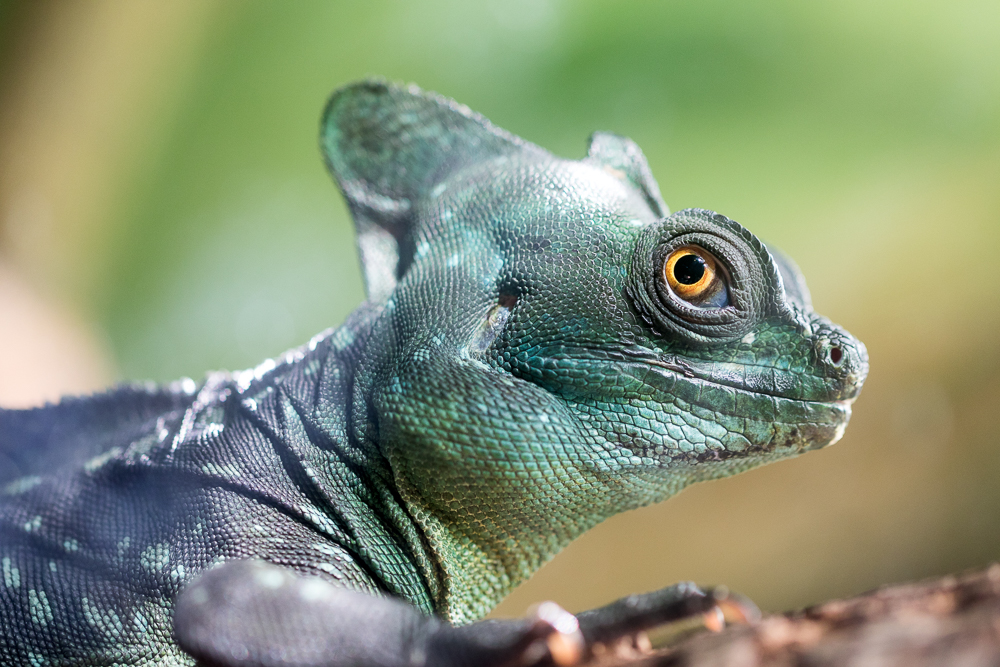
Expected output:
(164, 210)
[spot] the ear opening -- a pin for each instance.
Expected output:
(492, 324)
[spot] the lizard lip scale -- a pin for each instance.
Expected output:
(543, 345)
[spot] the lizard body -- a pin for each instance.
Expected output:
(543, 346)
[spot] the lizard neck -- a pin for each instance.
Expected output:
(494, 505)
(353, 480)
(498, 473)
(481, 562)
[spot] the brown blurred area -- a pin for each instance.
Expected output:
(163, 211)
(46, 352)
(81, 85)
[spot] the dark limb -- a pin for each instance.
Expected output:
(637, 613)
(254, 614)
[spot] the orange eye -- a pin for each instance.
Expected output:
(693, 275)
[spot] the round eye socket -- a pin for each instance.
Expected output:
(693, 275)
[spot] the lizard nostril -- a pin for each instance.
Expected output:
(836, 354)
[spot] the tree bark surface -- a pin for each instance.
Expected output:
(954, 620)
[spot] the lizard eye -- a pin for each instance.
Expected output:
(700, 277)
(693, 275)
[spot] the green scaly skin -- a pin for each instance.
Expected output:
(520, 372)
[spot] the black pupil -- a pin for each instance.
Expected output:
(689, 269)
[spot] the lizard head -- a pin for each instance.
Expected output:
(553, 346)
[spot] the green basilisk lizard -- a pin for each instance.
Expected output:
(543, 346)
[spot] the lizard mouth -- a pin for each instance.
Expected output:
(754, 379)
(735, 419)
(753, 423)
(785, 422)
(689, 380)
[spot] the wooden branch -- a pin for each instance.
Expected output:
(954, 620)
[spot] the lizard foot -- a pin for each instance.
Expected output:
(625, 621)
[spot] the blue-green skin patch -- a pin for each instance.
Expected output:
(520, 372)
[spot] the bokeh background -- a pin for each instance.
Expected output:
(164, 211)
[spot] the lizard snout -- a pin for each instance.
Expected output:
(844, 358)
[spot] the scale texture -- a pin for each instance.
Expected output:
(544, 345)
